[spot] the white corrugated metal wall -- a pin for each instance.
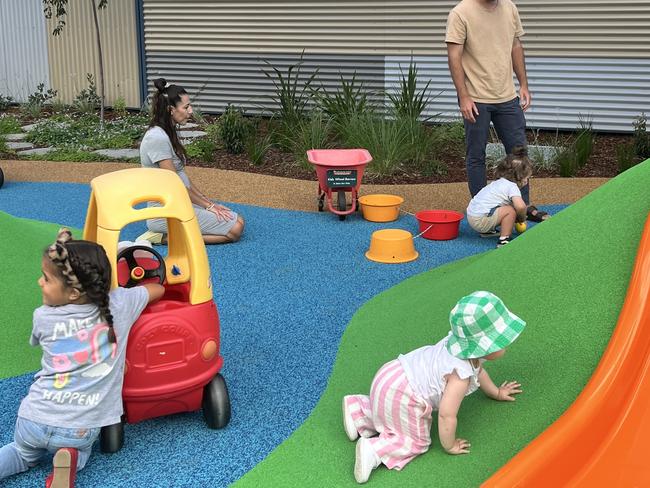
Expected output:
(612, 92)
(585, 58)
(23, 48)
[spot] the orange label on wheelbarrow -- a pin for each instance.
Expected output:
(340, 178)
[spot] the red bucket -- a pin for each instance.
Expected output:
(439, 225)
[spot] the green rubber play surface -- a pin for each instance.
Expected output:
(567, 278)
(21, 249)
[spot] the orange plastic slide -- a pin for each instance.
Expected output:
(602, 439)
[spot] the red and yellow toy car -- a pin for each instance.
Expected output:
(173, 355)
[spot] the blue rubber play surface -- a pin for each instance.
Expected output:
(285, 294)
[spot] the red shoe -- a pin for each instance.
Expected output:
(64, 469)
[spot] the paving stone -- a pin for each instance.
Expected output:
(189, 134)
(15, 137)
(119, 153)
(28, 127)
(19, 145)
(190, 125)
(37, 150)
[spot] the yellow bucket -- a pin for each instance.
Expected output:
(392, 246)
(380, 208)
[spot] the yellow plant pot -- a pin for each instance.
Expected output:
(392, 246)
(380, 208)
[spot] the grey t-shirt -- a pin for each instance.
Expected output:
(80, 381)
(155, 147)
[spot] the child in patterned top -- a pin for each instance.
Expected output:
(394, 422)
(82, 329)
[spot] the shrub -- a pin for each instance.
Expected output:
(575, 154)
(119, 106)
(37, 100)
(583, 144)
(5, 102)
(349, 100)
(234, 130)
(59, 106)
(257, 147)
(197, 114)
(65, 131)
(408, 102)
(641, 137)
(311, 133)
(212, 131)
(386, 140)
(565, 159)
(87, 100)
(425, 150)
(202, 149)
(9, 125)
(41, 97)
(626, 157)
(292, 95)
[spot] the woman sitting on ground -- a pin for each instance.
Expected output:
(161, 148)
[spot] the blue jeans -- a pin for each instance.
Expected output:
(510, 125)
(33, 440)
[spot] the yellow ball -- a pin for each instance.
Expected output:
(520, 226)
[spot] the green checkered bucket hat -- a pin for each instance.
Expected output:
(480, 325)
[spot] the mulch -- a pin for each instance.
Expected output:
(602, 163)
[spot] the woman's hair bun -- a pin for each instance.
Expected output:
(160, 83)
(520, 151)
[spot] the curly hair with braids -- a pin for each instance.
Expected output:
(165, 97)
(516, 167)
(83, 265)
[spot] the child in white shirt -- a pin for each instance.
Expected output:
(500, 203)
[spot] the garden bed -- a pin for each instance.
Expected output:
(449, 166)
(602, 163)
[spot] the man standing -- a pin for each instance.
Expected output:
(483, 49)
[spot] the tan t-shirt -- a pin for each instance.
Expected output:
(487, 36)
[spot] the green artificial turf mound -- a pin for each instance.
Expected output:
(21, 249)
(567, 278)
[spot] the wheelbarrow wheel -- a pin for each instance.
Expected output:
(321, 202)
(216, 403)
(342, 203)
(112, 438)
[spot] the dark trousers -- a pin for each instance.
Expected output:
(510, 125)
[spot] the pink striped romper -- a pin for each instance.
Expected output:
(403, 395)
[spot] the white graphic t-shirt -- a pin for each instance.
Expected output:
(80, 381)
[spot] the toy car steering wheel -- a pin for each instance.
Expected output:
(136, 272)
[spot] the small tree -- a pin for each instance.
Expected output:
(57, 8)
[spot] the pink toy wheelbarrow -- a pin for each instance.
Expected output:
(340, 171)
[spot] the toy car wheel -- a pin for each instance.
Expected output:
(216, 403)
(111, 438)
